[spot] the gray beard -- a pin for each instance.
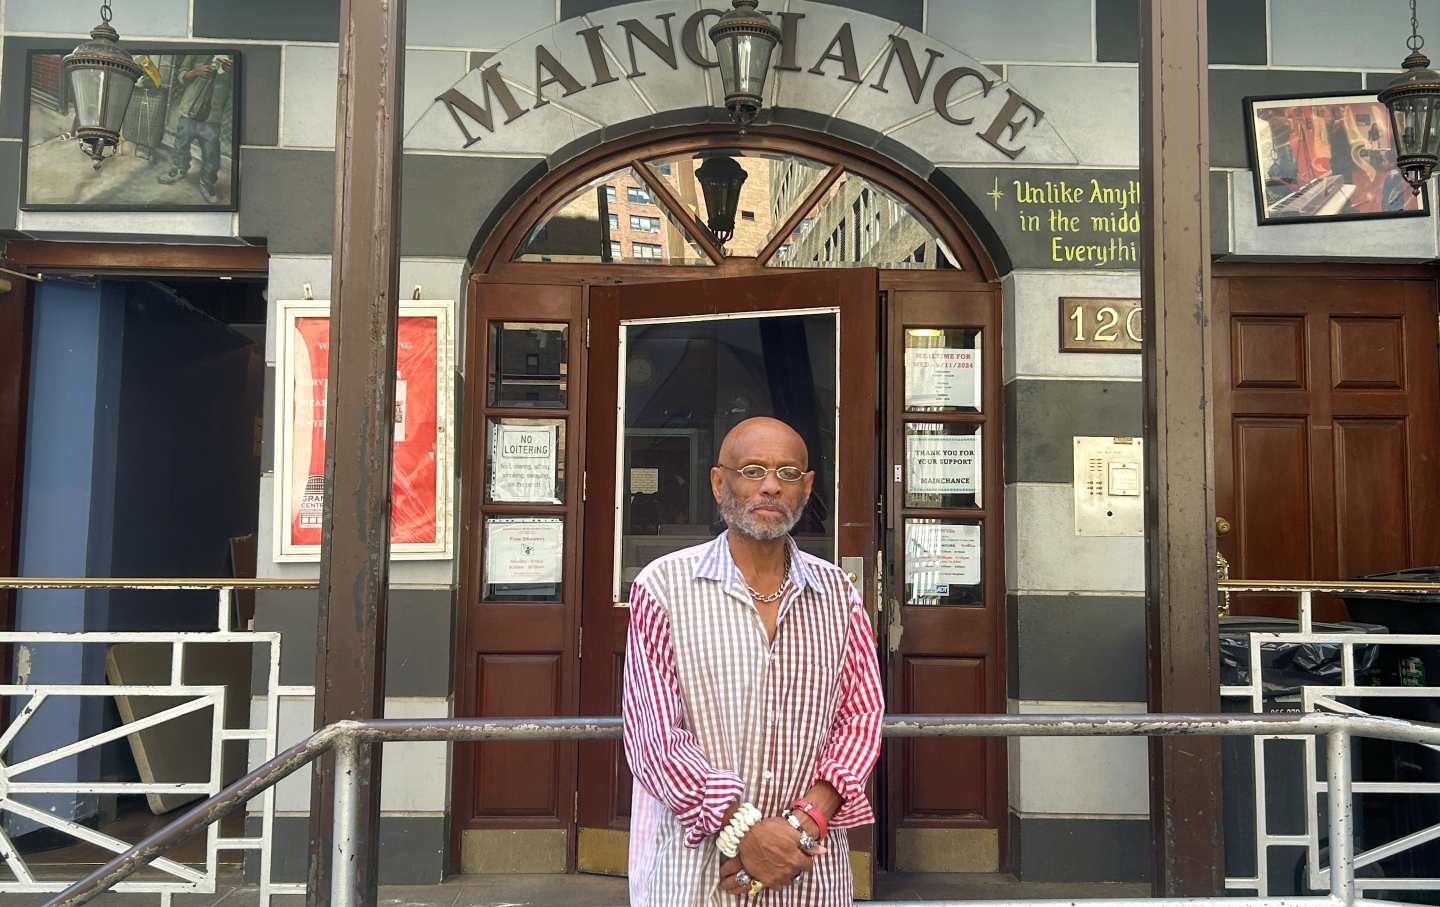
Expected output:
(740, 518)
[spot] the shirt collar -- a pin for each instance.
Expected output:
(717, 564)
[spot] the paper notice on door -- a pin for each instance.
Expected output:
(644, 480)
(942, 377)
(942, 464)
(524, 550)
(522, 466)
(939, 555)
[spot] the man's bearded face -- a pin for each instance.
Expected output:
(761, 516)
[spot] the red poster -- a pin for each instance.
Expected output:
(415, 473)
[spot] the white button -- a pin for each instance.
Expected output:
(768, 775)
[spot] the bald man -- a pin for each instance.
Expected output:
(752, 700)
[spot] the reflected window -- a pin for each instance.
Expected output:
(858, 224)
(529, 364)
(686, 384)
(590, 226)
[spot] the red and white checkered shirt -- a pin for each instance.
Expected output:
(716, 712)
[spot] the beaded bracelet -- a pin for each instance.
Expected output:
(741, 822)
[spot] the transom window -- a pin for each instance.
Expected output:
(792, 212)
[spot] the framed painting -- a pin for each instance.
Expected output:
(421, 481)
(1326, 157)
(178, 148)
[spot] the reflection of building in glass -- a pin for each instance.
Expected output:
(854, 224)
(613, 219)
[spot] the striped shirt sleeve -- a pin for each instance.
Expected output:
(664, 756)
(854, 742)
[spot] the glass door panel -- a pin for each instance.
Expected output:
(686, 383)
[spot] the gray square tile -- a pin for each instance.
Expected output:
(1028, 30)
(134, 18)
(1345, 33)
(482, 26)
(283, 20)
(1236, 32)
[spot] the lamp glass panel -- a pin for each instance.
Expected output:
(86, 86)
(774, 187)
(117, 90)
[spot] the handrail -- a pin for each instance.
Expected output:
(349, 739)
(1323, 585)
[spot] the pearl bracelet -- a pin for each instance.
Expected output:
(745, 818)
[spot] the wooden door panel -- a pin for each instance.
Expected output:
(1269, 351)
(1372, 512)
(1327, 425)
(1367, 353)
(518, 779)
(946, 779)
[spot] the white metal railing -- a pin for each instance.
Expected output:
(1338, 698)
(26, 699)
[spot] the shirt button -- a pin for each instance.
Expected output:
(768, 775)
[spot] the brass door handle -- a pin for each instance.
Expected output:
(1222, 526)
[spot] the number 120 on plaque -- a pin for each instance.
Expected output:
(1090, 325)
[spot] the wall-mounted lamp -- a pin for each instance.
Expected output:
(744, 39)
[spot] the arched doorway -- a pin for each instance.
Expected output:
(610, 343)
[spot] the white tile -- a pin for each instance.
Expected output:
(308, 87)
(288, 276)
(133, 18)
(428, 73)
(1344, 33)
(885, 110)
(825, 93)
(1031, 30)
(1032, 325)
(133, 223)
(1086, 776)
(1095, 109)
(1043, 553)
(481, 26)
(1405, 238)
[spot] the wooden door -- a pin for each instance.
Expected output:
(513, 803)
(944, 614)
(1327, 426)
(680, 363)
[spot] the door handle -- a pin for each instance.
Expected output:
(1222, 568)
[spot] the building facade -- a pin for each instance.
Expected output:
(929, 183)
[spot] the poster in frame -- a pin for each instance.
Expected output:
(179, 143)
(422, 484)
(1326, 157)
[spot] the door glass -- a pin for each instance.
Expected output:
(529, 366)
(685, 384)
(943, 562)
(942, 370)
(942, 464)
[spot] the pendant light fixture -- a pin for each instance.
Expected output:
(1413, 100)
(744, 38)
(101, 76)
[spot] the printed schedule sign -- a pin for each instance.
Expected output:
(942, 377)
(942, 464)
(522, 466)
(523, 551)
(940, 555)
(419, 493)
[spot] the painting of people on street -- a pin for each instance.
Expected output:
(177, 148)
(1326, 158)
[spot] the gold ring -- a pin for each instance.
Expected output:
(756, 886)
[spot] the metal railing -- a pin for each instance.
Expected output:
(351, 742)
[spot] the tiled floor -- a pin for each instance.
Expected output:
(598, 891)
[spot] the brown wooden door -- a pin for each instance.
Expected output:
(1327, 427)
(655, 352)
(944, 614)
(513, 803)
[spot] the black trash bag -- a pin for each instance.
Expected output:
(1288, 666)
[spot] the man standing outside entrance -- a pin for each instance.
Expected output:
(753, 702)
(205, 89)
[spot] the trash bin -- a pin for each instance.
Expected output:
(1392, 817)
(1285, 667)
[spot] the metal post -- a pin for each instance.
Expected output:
(345, 860)
(355, 554)
(1179, 442)
(1339, 802)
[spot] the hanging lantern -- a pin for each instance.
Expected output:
(101, 76)
(1414, 103)
(720, 180)
(744, 40)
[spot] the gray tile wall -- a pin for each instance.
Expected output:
(412, 849)
(1082, 850)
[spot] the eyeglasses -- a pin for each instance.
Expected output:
(756, 473)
